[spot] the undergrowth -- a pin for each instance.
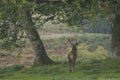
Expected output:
(106, 69)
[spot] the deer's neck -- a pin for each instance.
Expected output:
(74, 52)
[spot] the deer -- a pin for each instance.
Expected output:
(72, 56)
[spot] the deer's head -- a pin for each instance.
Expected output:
(74, 43)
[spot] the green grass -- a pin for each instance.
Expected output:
(108, 69)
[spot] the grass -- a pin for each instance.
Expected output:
(108, 69)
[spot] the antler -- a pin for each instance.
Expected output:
(74, 41)
(77, 41)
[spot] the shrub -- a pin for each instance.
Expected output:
(84, 55)
(8, 70)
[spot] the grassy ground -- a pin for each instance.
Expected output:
(108, 69)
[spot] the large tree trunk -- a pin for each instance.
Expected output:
(37, 44)
(116, 36)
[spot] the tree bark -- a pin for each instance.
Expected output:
(37, 44)
(116, 36)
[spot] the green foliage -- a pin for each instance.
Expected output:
(73, 12)
(11, 36)
(10, 69)
(94, 40)
(91, 47)
(86, 56)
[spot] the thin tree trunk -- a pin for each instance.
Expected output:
(116, 36)
(37, 44)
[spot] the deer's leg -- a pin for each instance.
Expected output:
(70, 64)
(73, 65)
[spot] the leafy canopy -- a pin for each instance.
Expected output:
(12, 13)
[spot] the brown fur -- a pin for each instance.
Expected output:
(72, 56)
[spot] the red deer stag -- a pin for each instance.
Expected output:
(72, 56)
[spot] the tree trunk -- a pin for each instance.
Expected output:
(37, 44)
(116, 36)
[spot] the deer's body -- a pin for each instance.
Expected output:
(72, 56)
